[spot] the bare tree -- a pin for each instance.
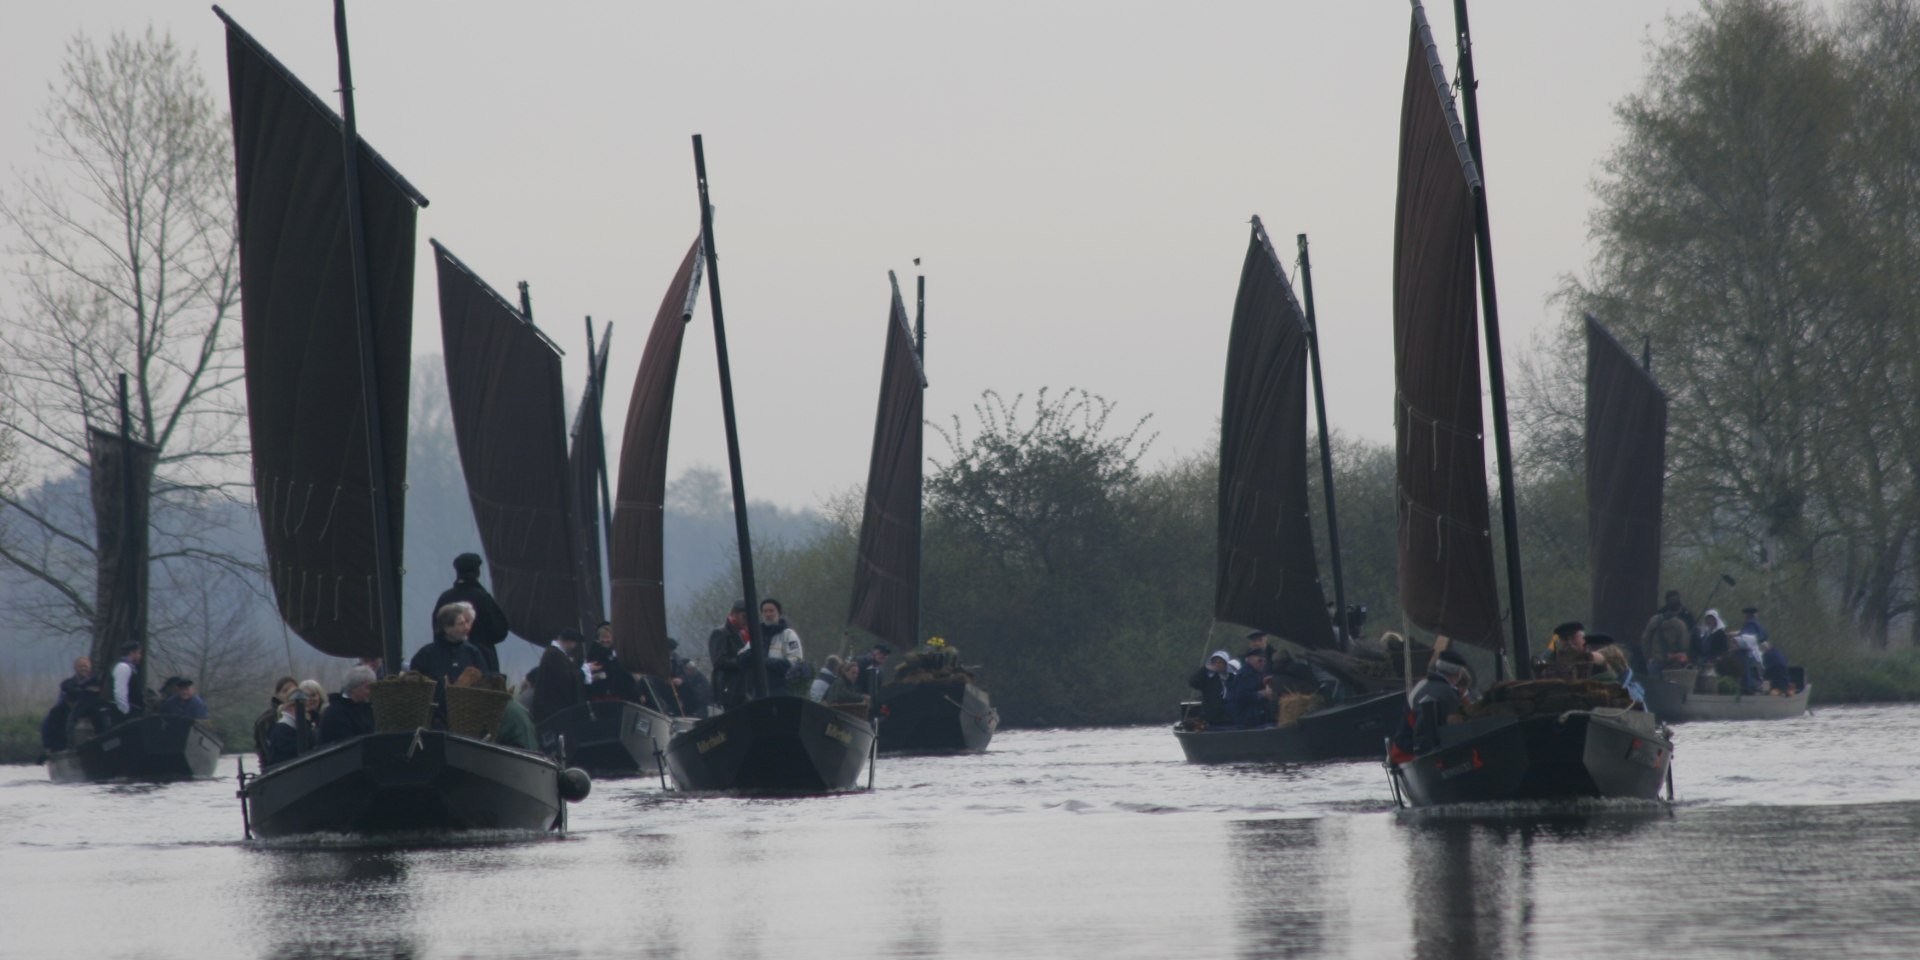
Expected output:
(127, 263)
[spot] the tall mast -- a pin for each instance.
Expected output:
(596, 368)
(386, 566)
(920, 519)
(759, 639)
(1326, 450)
(130, 552)
(1496, 375)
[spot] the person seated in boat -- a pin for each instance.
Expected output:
(1259, 642)
(783, 642)
(1215, 681)
(292, 734)
(178, 698)
(1252, 698)
(846, 688)
(449, 652)
(1710, 640)
(79, 694)
(559, 682)
(1743, 662)
(692, 693)
(829, 672)
(873, 666)
(1616, 668)
(489, 625)
(1567, 656)
(1774, 665)
(349, 713)
(1430, 704)
(263, 725)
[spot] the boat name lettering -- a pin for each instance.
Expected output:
(713, 741)
(842, 735)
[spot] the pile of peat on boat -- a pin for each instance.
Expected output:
(774, 745)
(153, 747)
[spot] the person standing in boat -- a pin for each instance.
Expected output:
(783, 642)
(489, 621)
(1710, 641)
(177, 698)
(692, 694)
(349, 713)
(607, 678)
(78, 693)
(1430, 703)
(129, 700)
(730, 649)
(1258, 642)
(1752, 624)
(558, 682)
(873, 666)
(1774, 664)
(449, 653)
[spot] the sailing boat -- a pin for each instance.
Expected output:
(146, 746)
(326, 259)
(1267, 575)
(930, 712)
(509, 419)
(1626, 472)
(774, 743)
(1538, 740)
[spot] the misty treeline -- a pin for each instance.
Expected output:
(1758, 228)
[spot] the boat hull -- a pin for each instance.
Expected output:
(405, 782)
(772, 746)
(1579, 754)
(151, 748)
(935, 718)
(1354, 729)
(1675, 702)
(610, 738)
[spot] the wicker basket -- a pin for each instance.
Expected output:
(1293, 706)
(475, 711)
(404, 702)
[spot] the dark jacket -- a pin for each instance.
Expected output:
(616, 681)
(696, 694)
(489, 621)
(445, 661)
(1244, 703)
(193, 708)
(1428, 706)
(1215, 690)
(557, 684)
(283, 743)
(730, 662)
(1710, 647)
(344, 719)
(1775, 664)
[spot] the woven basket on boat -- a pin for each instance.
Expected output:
(475, 711)
(1293, 706)
(404, 702)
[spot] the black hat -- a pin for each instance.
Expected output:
(1598, 640)
(172, 682)
(1256, 634)
(883, 648)
(1569, 628)
(569, 634)
(603, 624)
(1749, 611)
(467, 563)
(1452, 657)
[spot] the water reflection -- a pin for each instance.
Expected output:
(1281, 886)
(334, 904)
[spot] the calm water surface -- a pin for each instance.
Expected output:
(1790, 839)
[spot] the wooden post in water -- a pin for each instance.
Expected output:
(386, 585)
(758, 635)
(1326, 448)
(1496, 375)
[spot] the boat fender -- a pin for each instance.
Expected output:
(575, 784)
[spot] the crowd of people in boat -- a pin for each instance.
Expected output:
(89, 704)
(1247, 691)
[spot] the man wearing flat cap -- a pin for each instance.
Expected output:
(489, 621)
(1430, 703)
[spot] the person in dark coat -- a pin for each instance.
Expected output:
(873, 665)
(1752, 624)
(693, 693)
(558, 682)
(611, 679)
(1214, 680)
(349, 713)
(1259, 641)
(1710, 641)
(1778, 674)
(1250, 697)
(263, 726)
(730, 650)
(177, 698)
(1429, 704)
(489, 621)
(449, 653)
(77, 693)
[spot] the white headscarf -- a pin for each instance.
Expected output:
(1233, 666)
(1719, 622)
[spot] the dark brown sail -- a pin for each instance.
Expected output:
(637, 564)
(305, 402)
(1447, 580)
(586, 464)
(120, 492)
(509, 409)
(1267, 575)
(886, 574)
(1626, 478)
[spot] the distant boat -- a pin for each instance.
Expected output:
(536, 514)
(774, 743)
(147, 746)
(1626, 437)
(326, 254)
(1560, 745)
(1267, 574)
(920, 712)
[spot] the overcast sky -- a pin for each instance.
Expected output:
(1077, 178)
